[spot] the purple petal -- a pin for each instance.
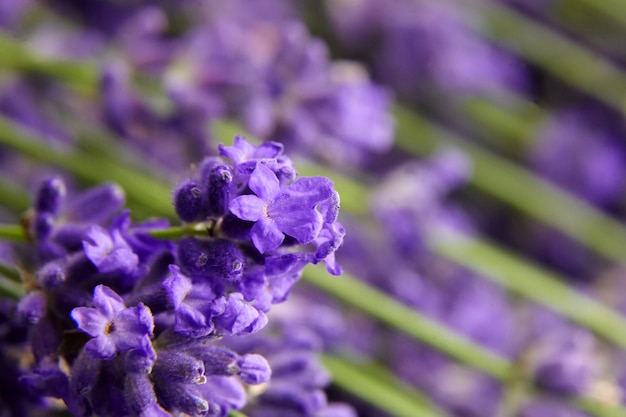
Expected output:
(107, 301)
(177, 286)
(264, 182)
(96, 204)
(32, 307)
(98, 244)
(121, 260)
(248, 207)
(332, 266)
(238, 317)
(268, 150)
(131, 325)
(311, 191)
(266, 236)
(191, 322)
(90, 320)
(239, 152)
(226, 391)
(304, 225)
(254, 369)
(101, 347)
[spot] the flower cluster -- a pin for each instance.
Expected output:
(121, 323)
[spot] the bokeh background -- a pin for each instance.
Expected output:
(478, 146)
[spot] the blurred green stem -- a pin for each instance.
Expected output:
(141, 190)
(13, 197)
(10, 273)
(553, 52)
(386, 309)
(518, 187)
(17, 55)
(531, 281)
(393, 398)
(10, 282)
(12, 232)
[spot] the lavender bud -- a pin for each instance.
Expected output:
(254, 369)
(213, 260)
(181, 398)
(46, 381)
(217, 360)
(84, 374)
(217, 180)
(177, 367)
(50, 196)
(188, 201)
(32, 307)
(96, 204)
(140, 396)
(43, 226)
(51, 275)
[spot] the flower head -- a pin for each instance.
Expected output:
(278, 212)
(113, 326)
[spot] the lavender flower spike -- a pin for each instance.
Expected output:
(114, 327)
(276, 213)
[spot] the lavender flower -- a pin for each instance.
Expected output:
(592, 168)
(425, 44)
(114, 327)
(276, 213)
(284, 88)
(109, 252)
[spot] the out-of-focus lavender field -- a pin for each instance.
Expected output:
(299, 208)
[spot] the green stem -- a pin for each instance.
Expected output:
(597, 408)
(234, 413)
(176, 232)
(10, 273)
(384, 308)
(506, 126)
(557, 55)
(10, 289)
(613, 9)
(13, 197)
(12, 232)
(519, 188)
(141, 190)
(80, 75)
(351, 378)
(531, 281)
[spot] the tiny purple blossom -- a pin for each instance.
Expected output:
(276, 213)
(243, 151)
(113, 326)
(109, 252)
(254, 369)
(194, 304)
(245, 157)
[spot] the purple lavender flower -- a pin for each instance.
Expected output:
(276, 213)
(59, 222)
(280, 82)
(194, 304)
(114, 327)
(109, 252)
(158, 309)
(578, 149)
(245, 157)
(424, 44)
(296, 386)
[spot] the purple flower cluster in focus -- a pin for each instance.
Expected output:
(121, 323)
